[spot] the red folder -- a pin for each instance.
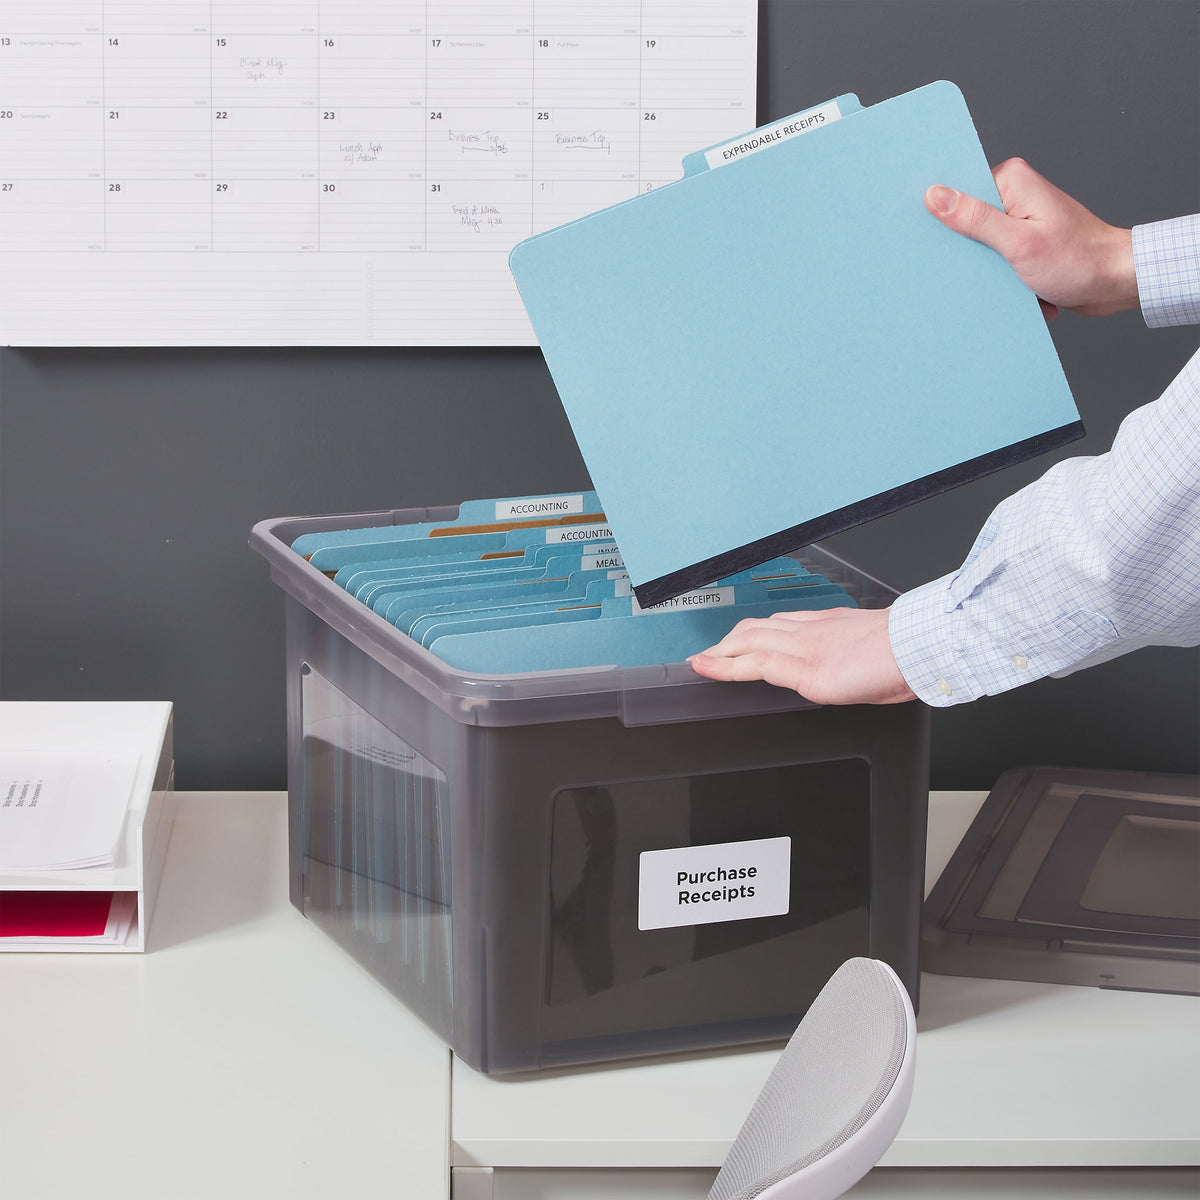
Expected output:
(54, 914)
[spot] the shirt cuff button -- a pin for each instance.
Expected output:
(944, 687)
(1020, 662)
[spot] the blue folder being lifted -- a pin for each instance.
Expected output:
(784, 343)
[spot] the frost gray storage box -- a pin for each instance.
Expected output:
(476, 842)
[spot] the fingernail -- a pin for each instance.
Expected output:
(942, 199)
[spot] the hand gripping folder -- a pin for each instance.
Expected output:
(784, 343)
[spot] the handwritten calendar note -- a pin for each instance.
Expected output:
(331, 172)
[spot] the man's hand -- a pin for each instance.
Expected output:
(831, 656)
(1067, 256)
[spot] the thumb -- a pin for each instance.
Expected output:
(972, 217)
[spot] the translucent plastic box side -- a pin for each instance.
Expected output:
(478, 874)
(1075, 876)
(651, 695)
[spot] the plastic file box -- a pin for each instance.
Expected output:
(489, 846)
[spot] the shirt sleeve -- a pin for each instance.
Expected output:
(1098, 557)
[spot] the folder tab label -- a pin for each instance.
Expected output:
(713, 597)
(606, 558)
(558, 535)
(781, 131)
(539, 506)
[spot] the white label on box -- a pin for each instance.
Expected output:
(539, 506)
(697, 885)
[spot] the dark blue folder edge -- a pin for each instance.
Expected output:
(667, 587)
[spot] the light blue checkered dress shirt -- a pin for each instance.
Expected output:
(1098, 557)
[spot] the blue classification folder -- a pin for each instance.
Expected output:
(536, 583)
(784, 343)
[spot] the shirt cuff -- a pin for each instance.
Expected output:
(1167, 265)
(951, 654)
(921, 631)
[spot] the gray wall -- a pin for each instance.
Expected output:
(130, 478)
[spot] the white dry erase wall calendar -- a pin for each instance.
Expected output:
(331, 172)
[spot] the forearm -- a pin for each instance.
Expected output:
(1098, 557)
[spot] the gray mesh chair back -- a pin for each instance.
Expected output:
(836, 1098)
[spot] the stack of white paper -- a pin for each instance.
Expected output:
(62, 811)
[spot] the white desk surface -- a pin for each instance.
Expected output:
(246, 1056)
(243, 1055)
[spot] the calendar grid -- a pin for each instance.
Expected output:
(404, 134)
